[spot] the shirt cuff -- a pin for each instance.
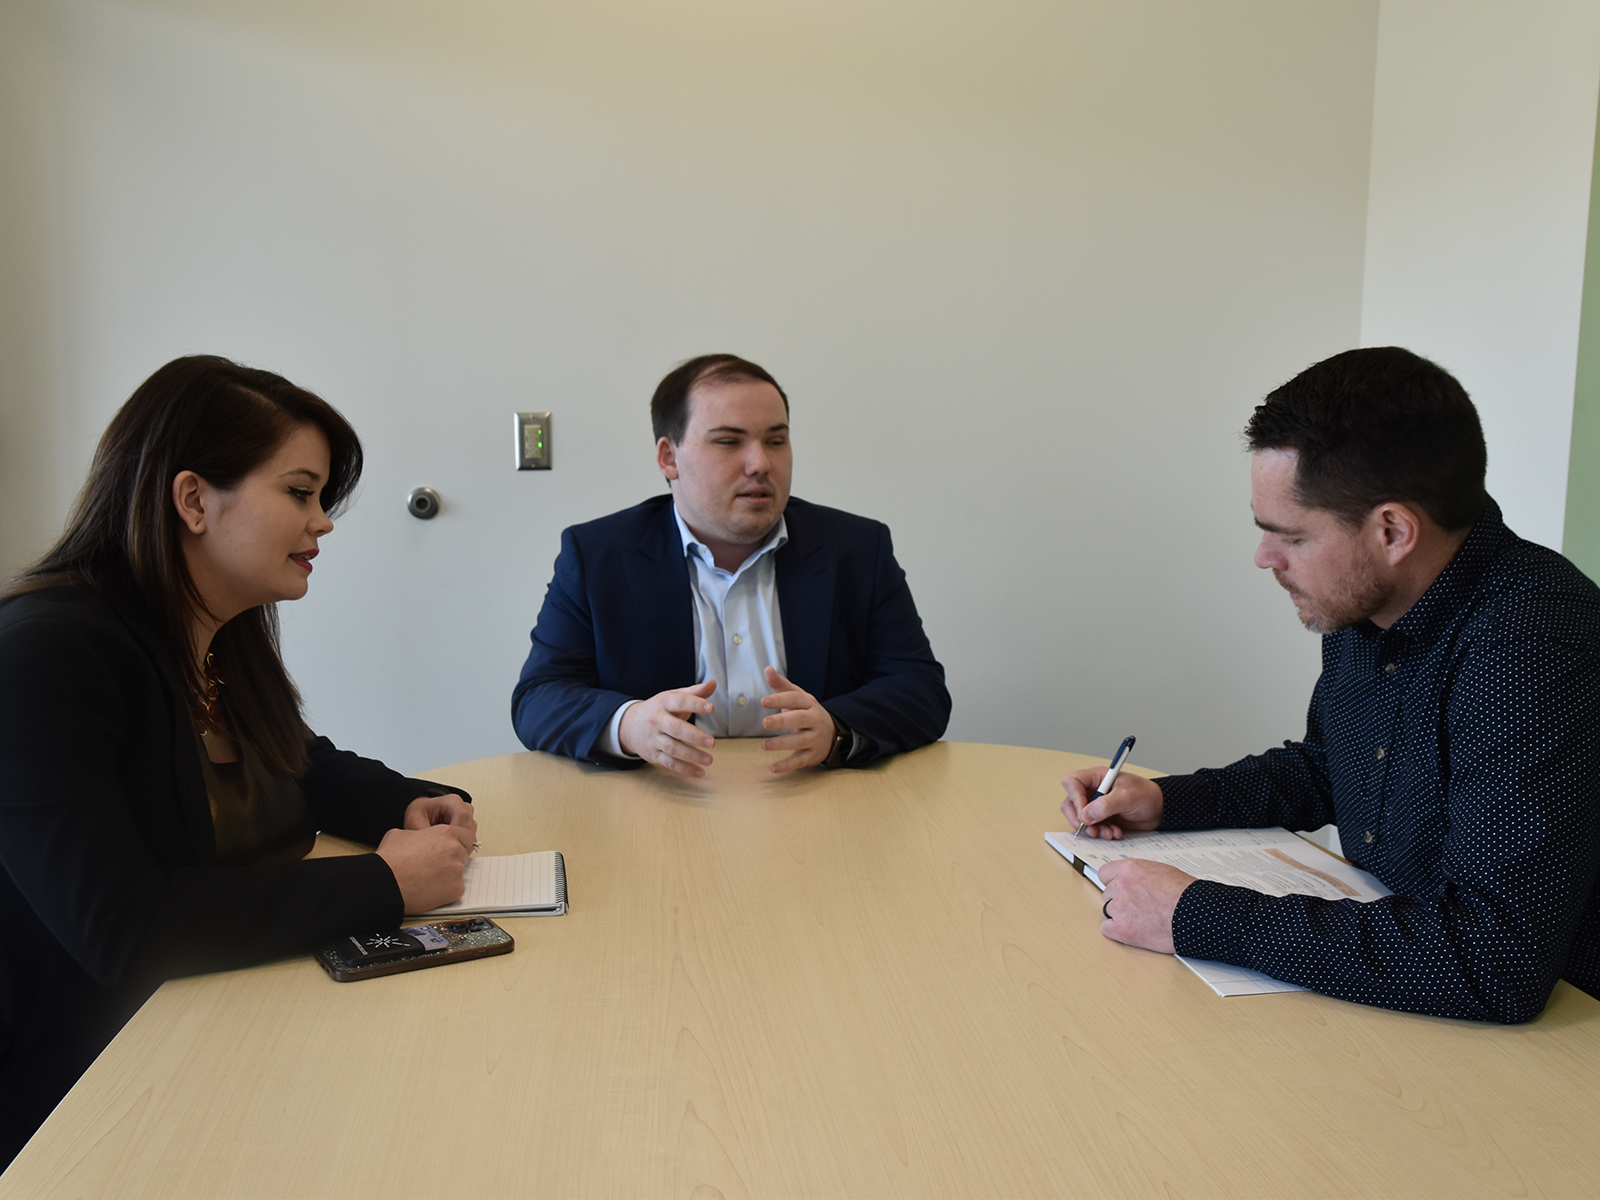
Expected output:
(611, 740)
(1188, 801)
(1212, 921)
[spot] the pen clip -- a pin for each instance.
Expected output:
(1121, 755)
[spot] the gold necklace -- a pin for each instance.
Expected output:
(210, 699)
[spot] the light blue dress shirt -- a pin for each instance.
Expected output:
(738, 632)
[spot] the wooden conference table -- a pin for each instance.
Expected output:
(864, 983)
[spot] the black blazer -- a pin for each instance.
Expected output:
(108, 875)
(618, 624)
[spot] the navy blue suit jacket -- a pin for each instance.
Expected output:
(618, 625)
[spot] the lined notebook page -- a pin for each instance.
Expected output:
(509, 883)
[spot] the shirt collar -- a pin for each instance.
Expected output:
(693, 547)
(1425, 620)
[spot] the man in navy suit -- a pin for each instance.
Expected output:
(726, 608)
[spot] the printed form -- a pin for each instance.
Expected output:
(1273, 861)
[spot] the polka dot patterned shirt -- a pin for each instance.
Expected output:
(1459, 752)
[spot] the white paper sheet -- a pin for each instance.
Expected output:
(512, 885)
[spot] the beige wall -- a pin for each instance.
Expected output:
(30, 75)
(1483, 137)
(1024, 269)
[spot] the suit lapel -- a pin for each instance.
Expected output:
(806, 570)
(658, 581)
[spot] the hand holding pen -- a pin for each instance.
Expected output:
(1136, 805)
(1109, 780)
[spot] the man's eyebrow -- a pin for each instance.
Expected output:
(779, 428)
(1269, 527)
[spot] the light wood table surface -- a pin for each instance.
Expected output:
(863, 983)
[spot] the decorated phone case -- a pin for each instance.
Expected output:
(366, 956)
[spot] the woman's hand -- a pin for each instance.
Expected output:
(449, 809)
(428, 863)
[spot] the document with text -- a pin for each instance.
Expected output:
(1273, 861)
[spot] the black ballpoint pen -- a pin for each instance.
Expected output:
(1117, 759)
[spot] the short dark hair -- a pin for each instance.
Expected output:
(669, 407)
(1377, 425)
(220, 420)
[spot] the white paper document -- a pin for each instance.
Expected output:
(512, 885)
(1273, 861)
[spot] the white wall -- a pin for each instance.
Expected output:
(30, 73)
(1024, 269)
(1482, 144)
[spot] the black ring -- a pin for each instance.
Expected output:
(1106, 910)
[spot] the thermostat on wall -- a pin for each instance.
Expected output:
(533, 441)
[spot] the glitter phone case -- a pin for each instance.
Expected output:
(414, 948)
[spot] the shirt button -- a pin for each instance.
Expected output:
(737, 640)
(1388, 668)
(741, 699)
(1369, 837)
(1380, 753)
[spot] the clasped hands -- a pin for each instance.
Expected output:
(1140, 895)
(658, 730)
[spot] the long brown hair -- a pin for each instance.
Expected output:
(220, 420)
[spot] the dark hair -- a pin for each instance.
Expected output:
(669, 407)
(1376, 425)
(221, 421)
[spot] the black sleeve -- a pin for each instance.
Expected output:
(558, 705)
(93, 833)
(904, 702)
(1286, 786)
(1519, 864)
(360, 798)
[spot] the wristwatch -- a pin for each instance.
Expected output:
(843, 740)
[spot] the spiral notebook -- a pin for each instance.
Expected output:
(512, 885)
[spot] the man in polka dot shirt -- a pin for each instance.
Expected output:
(1453, 736)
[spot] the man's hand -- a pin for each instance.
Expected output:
(1141, 897)
(428, 864)
(809, 727)
(658, 729)
(449, 809)
(1132, 803)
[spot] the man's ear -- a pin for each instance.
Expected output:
(1398, 527)
(189, 499)
(667, 457)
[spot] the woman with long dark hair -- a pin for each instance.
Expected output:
(158, 785)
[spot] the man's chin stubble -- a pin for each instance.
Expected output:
(1350, 607)
(1352, 610)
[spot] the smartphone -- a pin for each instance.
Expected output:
(411, 949)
